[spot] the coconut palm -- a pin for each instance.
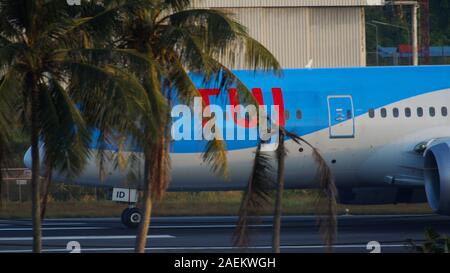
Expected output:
(100, 89)
(47, 50)
(31, 70)
(263, 179)
(178, 41)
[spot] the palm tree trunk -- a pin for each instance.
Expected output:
(279, 195)
(141, 238)
(35, 182)
(48, 181)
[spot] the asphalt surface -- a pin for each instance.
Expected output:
(214, 234)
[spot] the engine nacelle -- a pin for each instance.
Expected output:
(437, 176)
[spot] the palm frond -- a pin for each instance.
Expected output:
(9, 87)
(218, 26)
(58, 33)
(177, 4)
(120, 160)
(222, 37)
(134, 174)
(182, 83)
(102, 156)
(121, 86)
(194, 58)
(9, 51)
(104, 56)
(95, 19)
(258, 56)
(64, 128)
(19, 14)
(215, 155)
(5, 141)
(256, 196)
(326, 203)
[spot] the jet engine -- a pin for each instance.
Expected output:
(437, 176)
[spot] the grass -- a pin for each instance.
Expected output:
(193, 204)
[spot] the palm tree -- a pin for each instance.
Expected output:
(177, 41)
(31, 71)
(262, 180)
(49, 63)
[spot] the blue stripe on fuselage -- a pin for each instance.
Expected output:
(308, 89)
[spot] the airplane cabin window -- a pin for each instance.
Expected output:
(432, 112)
(371, 113)
(383, 112)
(444, 111)
(286, 115)
(395, 112)
(419, 111)
(408, 112)
(298, 114)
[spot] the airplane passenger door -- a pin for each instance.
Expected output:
(341, 120)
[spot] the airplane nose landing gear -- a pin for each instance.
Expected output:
(131, 217)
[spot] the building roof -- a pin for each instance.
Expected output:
(284, 3)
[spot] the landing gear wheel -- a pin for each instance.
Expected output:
(131, 217)
(123, 217)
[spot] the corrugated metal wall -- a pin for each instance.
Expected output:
(329, 36)
(284, 31)
(337, 37)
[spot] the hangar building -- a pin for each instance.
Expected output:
(322, 33)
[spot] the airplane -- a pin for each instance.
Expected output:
(384, 131)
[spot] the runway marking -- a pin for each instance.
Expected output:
(206, 226)
(28, 223)
(151, 227)
(113, 237)
(53, 228)
(362, 246)
(65, 224)
(157, 218)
